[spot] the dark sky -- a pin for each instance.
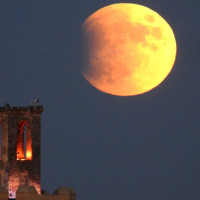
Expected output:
(143, 147)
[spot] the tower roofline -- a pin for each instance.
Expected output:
(16, 109)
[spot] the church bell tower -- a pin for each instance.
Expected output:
(20, 129)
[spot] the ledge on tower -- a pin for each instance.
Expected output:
(26, 189)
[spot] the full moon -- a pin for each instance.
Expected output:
(129, 49)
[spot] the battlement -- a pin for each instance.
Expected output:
(16, 109)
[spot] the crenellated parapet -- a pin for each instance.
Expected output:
(21, 110)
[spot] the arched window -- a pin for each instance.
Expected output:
(24, 141)
(1, 141)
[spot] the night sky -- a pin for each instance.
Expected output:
(143, 147)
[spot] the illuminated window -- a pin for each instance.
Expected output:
(24, 141)
(1, 142)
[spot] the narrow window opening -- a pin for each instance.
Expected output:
(25, 134)
(28, 144)
(24, 142)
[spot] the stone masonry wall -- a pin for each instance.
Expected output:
(30, 193)
(13, 171)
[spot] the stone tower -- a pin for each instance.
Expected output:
(20, 147)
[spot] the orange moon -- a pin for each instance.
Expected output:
(129, 49)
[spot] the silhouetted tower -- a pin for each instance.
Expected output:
(20, 147)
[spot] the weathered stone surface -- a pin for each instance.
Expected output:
(4, 196)
(63, 190)
(3, 190)
(27, 189)
(14, 171)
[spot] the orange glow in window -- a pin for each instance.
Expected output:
(24, 142)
